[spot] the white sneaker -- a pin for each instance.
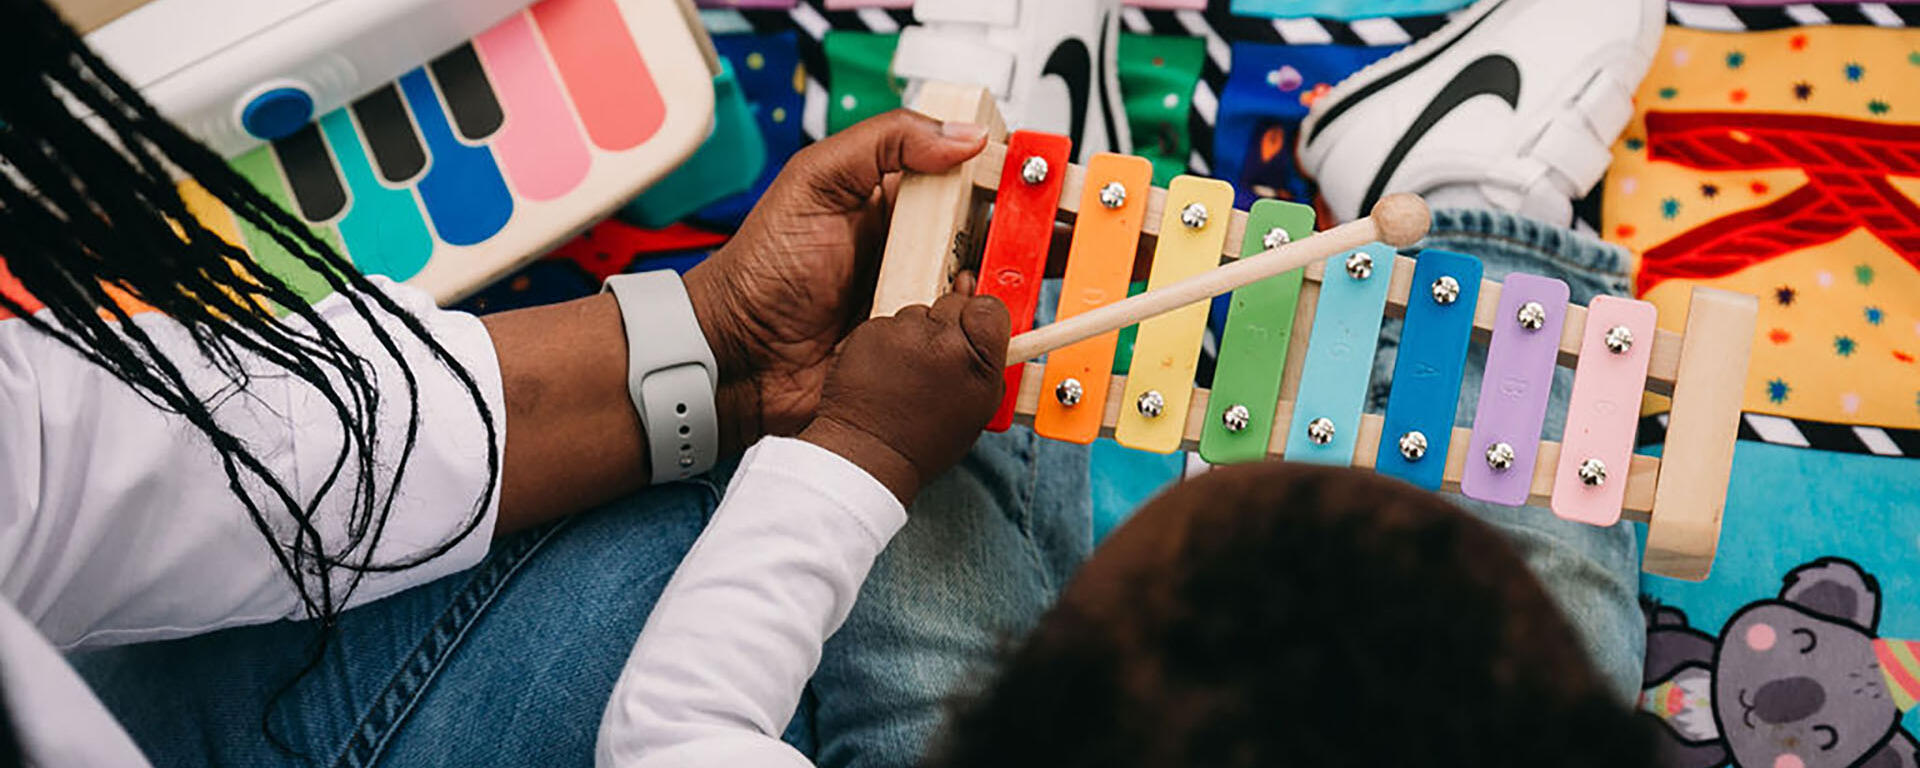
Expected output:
(1515, 103)
(1052, 64)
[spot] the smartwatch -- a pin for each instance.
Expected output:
(671, 373)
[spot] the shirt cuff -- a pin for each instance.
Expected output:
(828, 474)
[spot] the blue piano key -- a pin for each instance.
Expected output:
(1428, 367)
(465, 196)
(1333, 380)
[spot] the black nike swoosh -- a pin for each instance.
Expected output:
(1072, 62)
(1334, 112)
(1493, 75)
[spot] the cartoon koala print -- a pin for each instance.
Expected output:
(1798, 681)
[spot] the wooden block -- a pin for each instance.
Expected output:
(1253, 347)
(1099, 264)
(932, 211)
(1604, 410)
(1015, 260)
(1697, 462)
(1167, 349)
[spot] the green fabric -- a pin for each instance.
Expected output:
(1157, 78)
(1253, 348)
(1123, 349)
(859, 64)
(260, 169)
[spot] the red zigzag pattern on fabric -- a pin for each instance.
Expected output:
(1847, 163)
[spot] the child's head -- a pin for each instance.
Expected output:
(1277, 614)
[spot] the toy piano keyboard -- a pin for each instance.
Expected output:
(1298, 348)
(472, 162)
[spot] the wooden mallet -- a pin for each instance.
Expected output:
(1397, 220)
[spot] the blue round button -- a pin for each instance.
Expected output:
(277, 113)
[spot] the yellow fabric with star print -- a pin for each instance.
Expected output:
(1786, 164)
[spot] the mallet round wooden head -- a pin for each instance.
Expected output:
(1403, 219)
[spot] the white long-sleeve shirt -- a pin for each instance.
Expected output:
(718, 670)
(117, 524)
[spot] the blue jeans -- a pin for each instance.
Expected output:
(512, 662)
(509, 663)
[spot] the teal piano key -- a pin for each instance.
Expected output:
(1339, 363)
(1427, 369)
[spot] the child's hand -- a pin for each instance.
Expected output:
(907, 395)
(799, 273)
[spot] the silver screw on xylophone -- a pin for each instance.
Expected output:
(1151, 404)
(1236, 418)
(1619, 339)
(1593, 472)
(1360, 266)
(1500, 456)
(1034, 170)
(1320, 430)
(1069, 392)
(1413, 445)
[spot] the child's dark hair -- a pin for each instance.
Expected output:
(1282, 615)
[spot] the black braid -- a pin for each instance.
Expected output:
(90, 216)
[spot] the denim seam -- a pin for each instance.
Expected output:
(1031, 490)
(1532, 249)
(408, 685)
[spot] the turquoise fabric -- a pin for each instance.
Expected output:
(728, 163)
(1788, 507)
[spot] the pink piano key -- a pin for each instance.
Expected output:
(541, 145)
(1604, 410)
(612, 89)
(1514, 390)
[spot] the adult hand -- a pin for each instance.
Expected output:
(799, 274)
(908, 394)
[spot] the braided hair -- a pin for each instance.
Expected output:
(90, 216)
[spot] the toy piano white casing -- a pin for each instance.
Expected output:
(540, 166)
(200, 62)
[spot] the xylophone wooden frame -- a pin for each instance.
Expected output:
(1681, 496)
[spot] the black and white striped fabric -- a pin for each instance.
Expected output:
(1801, 433)
(1760, 18)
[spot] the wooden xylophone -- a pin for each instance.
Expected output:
(1297, 353)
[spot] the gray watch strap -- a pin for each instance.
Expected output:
(671, 374)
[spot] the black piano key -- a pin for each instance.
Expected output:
(311, 176)
(396, 146)
(463, 83)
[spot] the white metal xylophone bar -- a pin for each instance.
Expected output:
(1297, 354)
